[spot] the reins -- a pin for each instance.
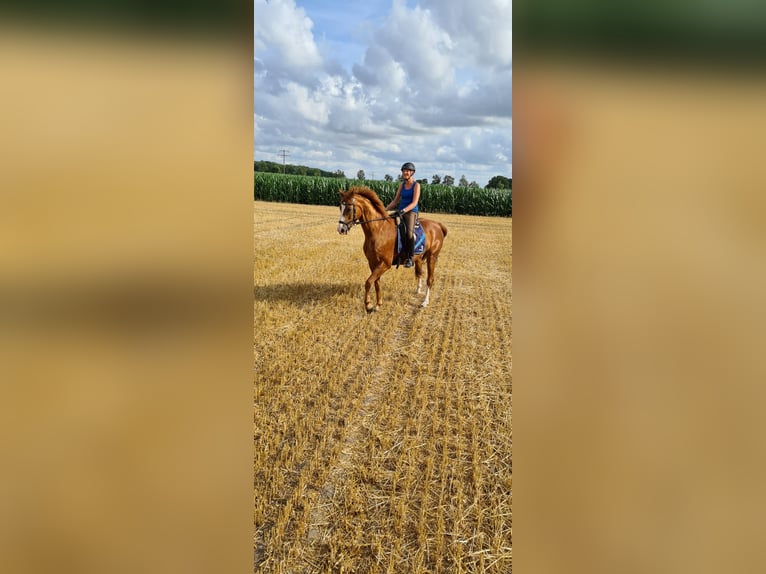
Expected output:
(360, 221)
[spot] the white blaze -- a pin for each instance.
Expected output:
(341, 226)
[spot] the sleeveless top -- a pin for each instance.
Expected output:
(406, 197)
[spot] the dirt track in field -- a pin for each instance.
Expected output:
(382, 441)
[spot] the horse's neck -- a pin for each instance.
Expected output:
(377, 221)
(371, 214)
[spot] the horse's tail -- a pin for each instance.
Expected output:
(444, 229)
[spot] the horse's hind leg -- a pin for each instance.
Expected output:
(430, 281)
(419, 275)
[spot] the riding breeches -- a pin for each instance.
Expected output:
(410, 218)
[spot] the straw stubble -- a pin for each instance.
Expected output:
(383, 441)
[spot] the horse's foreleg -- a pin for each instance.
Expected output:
(378, 294)
(367, 284)
(374, 279)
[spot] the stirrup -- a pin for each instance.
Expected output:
(409, 262)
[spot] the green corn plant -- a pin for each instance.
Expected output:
(435, 198)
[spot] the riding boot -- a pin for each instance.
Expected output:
(409, 247)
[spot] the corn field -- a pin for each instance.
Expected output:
(382, 441)
(311, 190)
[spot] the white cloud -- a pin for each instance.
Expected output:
(481, 31)
(309, 105)
(434, 87)
(282, 33)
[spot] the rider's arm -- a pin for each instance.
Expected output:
(395, 201)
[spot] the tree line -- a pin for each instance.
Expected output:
(497, 182)
(274, 167)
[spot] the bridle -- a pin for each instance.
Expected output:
(354, 219)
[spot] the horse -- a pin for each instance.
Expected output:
(361, 205)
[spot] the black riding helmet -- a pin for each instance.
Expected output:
(409, 165)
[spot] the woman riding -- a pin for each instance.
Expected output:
(407, 197)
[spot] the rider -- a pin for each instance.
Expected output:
(407, 197)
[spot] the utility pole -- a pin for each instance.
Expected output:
(284, 153)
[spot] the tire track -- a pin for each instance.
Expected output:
(352, 400)
(369, 407)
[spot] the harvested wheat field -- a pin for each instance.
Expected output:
(382, 440)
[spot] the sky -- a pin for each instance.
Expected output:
(350, 85)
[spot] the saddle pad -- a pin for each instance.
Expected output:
(420, 239)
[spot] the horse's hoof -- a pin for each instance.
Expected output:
(371, 309)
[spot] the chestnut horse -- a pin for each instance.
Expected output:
(360, 205)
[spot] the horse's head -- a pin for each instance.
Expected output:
(349, 215)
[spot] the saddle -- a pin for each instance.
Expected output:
(401, 233)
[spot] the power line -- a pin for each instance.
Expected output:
(284, 153)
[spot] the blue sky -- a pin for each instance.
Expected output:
(370, 85)
(341, 28)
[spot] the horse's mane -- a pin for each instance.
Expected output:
(371, 196)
